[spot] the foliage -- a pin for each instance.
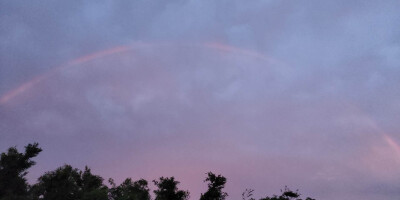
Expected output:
(67, 183)
(92, 186)
(168, 190)
(13, 169)
(215, 186)
(129, 190)
(287, 194)
(247, 194)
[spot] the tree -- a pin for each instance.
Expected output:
(247, 194)
(168, 190)
(61, 184)
(92, 186)
(215, 186)
(287, 194)
(66, 183)
(129, 190)
(13, 169)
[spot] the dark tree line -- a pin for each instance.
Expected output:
(68, 183)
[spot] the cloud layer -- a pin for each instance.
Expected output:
(268, 93)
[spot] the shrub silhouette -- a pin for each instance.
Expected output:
(287, 194)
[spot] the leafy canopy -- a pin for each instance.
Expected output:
(13, 169)
(129, 190)
(215, 185)
(168, 190)
(67, 183)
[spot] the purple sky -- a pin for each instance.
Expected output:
(267, 93)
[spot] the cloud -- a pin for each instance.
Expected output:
(304, 120)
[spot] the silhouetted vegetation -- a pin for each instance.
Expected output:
(248, 194)
(129, 190)
(287, 194)
(168, 190)
(68, 183)
(13, 168)
(215, 186)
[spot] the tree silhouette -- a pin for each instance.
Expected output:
(215, 186)
(287, 194)
(247, 194)
(66, 183)
(168, 190)
(92, 186)
(13, 168)
(129, 190)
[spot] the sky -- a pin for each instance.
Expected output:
(267, 93)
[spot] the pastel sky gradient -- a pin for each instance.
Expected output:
(267, 93)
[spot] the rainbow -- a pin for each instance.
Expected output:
(29, 84)
(8, 96)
